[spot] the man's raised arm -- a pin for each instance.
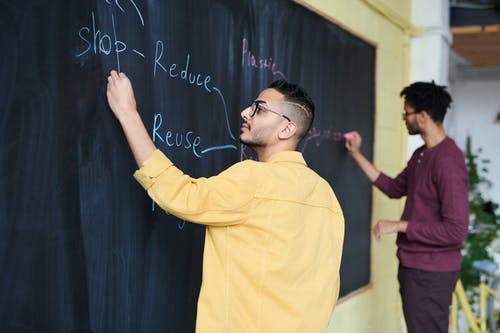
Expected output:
(122, 102)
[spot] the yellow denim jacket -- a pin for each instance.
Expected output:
(273, 241)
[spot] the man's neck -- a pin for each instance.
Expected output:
(434, 135)
(264, 153)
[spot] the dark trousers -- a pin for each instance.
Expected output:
(426, 299)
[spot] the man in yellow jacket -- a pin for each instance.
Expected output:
(275, 229)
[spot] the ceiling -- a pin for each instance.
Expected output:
(476, 34)
(479, 45)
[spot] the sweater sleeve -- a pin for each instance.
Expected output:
(220, 200)
(452, 225)
(393, 188)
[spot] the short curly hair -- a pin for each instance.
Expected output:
(429, 97)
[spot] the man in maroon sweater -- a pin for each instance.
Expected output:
(435, 219)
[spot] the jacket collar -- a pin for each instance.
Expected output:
(287, 156)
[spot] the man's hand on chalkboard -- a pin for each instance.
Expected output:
(352, 141)
(122, 102)
(353, 146)
(120, 95)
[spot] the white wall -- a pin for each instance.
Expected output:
(475, 91)
(476, 103)
(430, 49)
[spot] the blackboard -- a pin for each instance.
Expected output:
(82, 248)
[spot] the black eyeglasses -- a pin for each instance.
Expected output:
(406, 114)
(258, 107)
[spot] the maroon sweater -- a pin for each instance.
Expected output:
(437, 208)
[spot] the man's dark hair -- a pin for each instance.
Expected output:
(295, 94)
(428, 96)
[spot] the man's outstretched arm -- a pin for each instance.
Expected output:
(122, 102)
(353, 145)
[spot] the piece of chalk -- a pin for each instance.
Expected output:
(348, 136)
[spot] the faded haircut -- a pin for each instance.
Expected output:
(300, 105)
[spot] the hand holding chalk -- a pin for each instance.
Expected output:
(352, 141)
(348, 136)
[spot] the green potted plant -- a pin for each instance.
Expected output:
(484, 223)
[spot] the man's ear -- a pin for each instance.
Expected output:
(288, 131)
(424, 115)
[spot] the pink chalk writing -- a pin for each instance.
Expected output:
(249, 59)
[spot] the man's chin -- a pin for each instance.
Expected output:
(243, 141)
(412, 131)
(250, 144)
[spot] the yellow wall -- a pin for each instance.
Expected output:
(385, 24)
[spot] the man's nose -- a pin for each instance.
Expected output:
(245, 113)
